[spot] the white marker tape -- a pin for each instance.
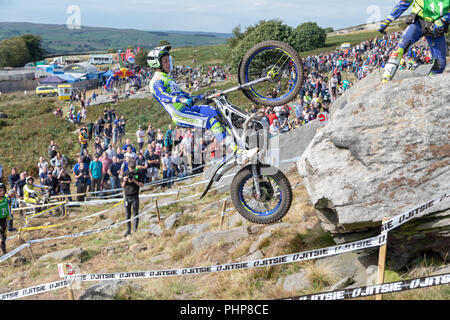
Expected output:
(34, 290)
(417, 212)
(289, 258)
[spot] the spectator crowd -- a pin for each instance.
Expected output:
(177, 152)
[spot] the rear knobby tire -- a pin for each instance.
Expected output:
(285, 190)
(247, 59)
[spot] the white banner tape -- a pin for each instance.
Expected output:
(417, 212)
(34, 290)
(289, 258)
(13, 252)
(390, 287)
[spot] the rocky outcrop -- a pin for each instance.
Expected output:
(74, 254)
(106, 290)
(193, 228)
(208, 239)
(385, 150)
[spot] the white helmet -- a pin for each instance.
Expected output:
(155, 55)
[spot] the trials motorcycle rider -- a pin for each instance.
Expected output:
(181, 108)
(429, 18)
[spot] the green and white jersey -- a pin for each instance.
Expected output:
(431, 10)
(4, 208)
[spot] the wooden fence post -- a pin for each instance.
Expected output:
(222, 214)
(381, 263)
(29, 247)
(157, 209)
(178, 193)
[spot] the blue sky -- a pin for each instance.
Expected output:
(196, 15)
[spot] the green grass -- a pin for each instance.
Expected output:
(199, 56)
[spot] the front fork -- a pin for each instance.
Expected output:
(255, 180)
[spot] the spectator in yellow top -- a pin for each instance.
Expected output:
(83, 139)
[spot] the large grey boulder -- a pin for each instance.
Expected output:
(155, 229)
(193, 228)
(384, 151)
(171, 220)
(219, 237)
(106, 290)
(295, 282)
(75, 254)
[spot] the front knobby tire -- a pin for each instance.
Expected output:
(254, 93)
(282, 186)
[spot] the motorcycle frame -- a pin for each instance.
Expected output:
(226, 110)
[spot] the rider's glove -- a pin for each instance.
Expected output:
(188, 102)
(384, 25)
(439, 25)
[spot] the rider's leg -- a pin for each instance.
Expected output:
(209, 114)
(411, 35)
(211, 123)
(438, 47)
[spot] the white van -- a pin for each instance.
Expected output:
(101, 59)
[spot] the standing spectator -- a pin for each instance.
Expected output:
(53, 152)
(159, 138)
(87, 159)
(168, 142)
(41, 164)
(271, 116)
(119, 154)
(83, 113)
(106, 164)
(83, 139)
(81, 180)
(122, 123)
(141, 164)
(110, 152)
(140, 135)
(274, 128)
(52, 184)
(58, 160)
(95, 171)
(43, 176)
(50, 148)
(150, 134)
(18, 187)
(13, 178)
(168, 171)
(113, 173)
(153, 164)
(90, 128)
(131, 184)
(64, 180)
(107, 134)
(97, 129)
(115, 134)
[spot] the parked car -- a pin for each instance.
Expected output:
(42, 91)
